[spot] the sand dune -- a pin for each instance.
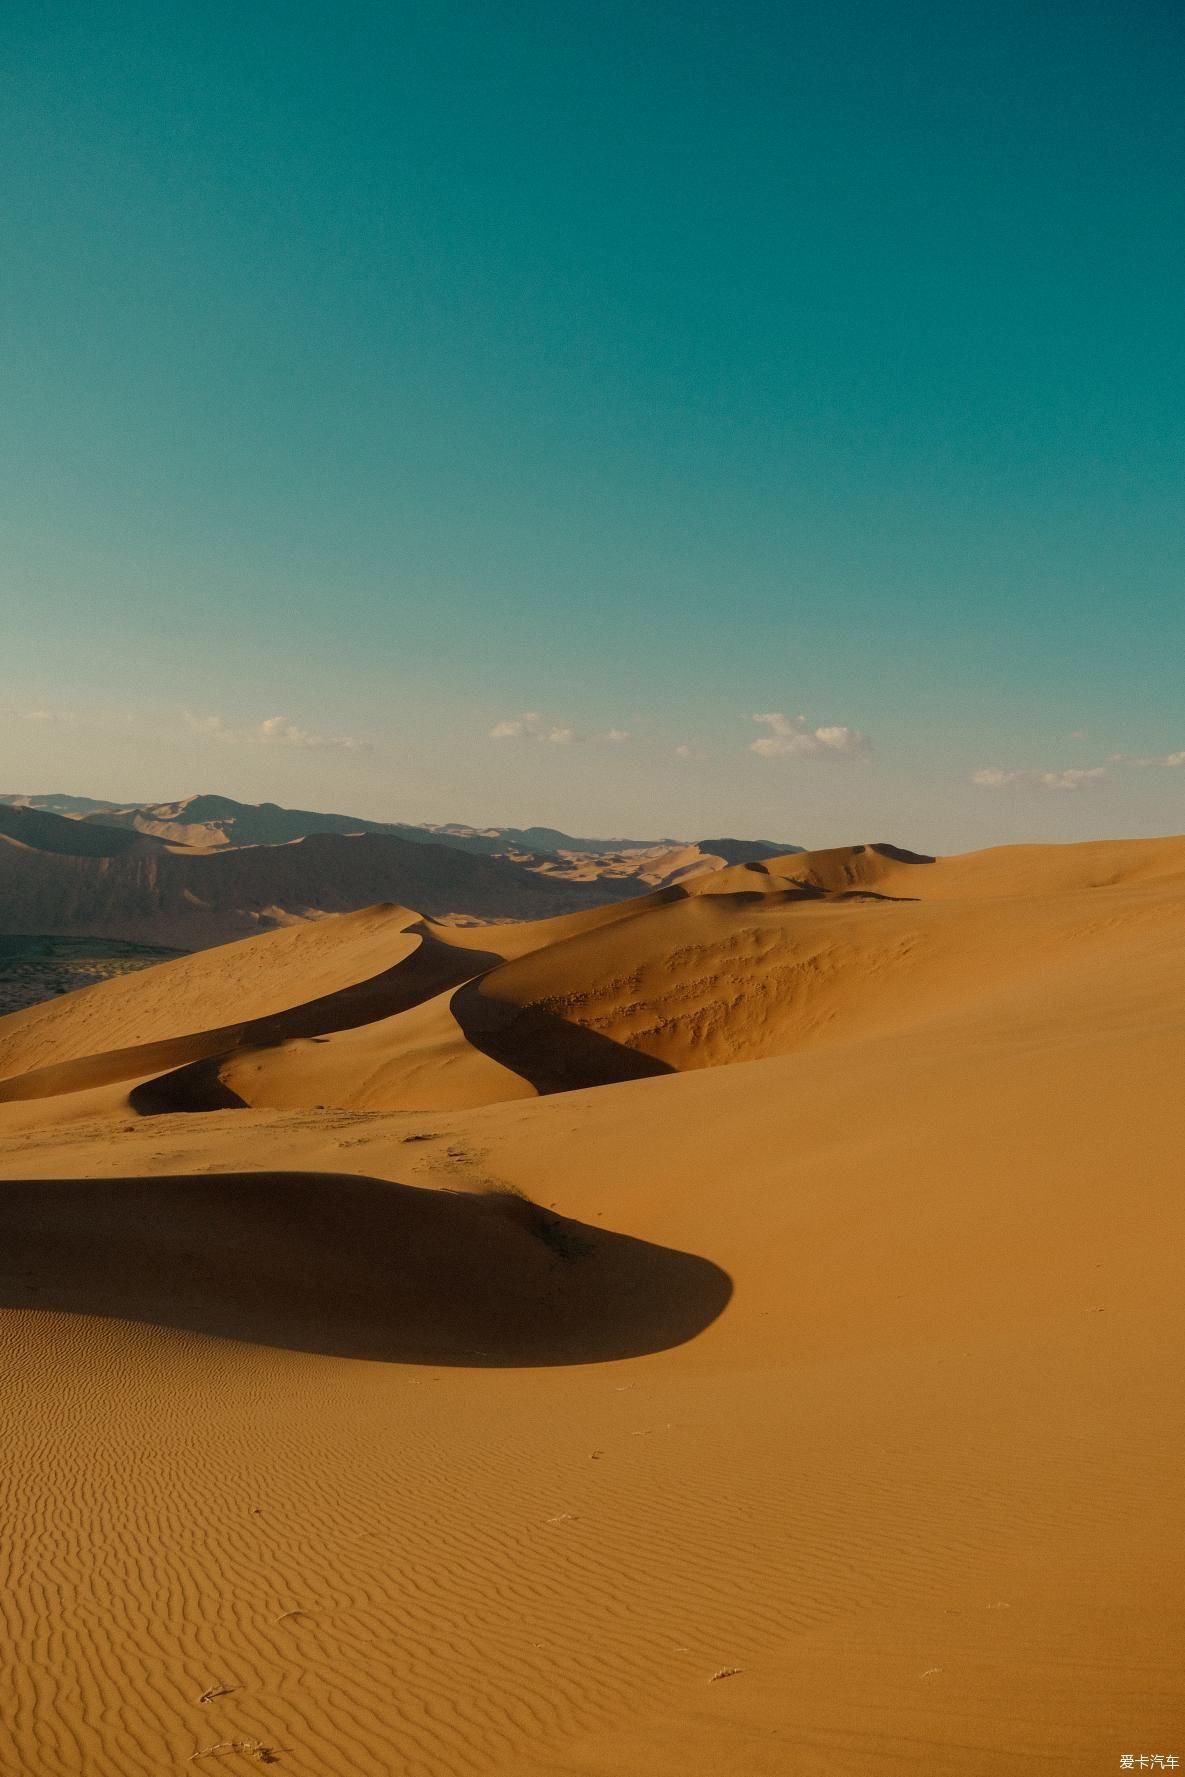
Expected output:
(420, 961)
(818, 949)
(252, 980)
(314, 1447)
(747, 962)
(208, 870)
(352, 1267)
(300, 981)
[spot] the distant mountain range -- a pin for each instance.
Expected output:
(208, 869)
(215, 820)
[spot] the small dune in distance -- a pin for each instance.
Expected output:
(635, 1308)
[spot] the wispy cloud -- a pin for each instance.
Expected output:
(686, 751)
(1163, 762)
(792, 736)
(618, 735)
(43, 717)
(273, 731)
(531, 726)
(992, 777)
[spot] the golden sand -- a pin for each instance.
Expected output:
(734, 1333)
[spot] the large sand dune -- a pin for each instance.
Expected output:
(736, 1331)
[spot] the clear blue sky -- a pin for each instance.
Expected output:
(402, 369)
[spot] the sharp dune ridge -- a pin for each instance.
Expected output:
(451, 1349)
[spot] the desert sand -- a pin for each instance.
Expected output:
(731, 1332)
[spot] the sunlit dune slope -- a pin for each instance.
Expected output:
(384, 1010)
(424, 963)
(825, 953)
(330, 975)
(249, 979)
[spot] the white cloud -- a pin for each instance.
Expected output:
(792, 736)
(617, 734)
(531, 726)
(686, 751)
(273, 731)
(991, 777)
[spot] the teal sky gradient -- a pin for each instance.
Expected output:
(403, 368)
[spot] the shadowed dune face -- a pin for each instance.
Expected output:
(348, 1266)
(551, 1053)
(900, 856)
(197, 1086)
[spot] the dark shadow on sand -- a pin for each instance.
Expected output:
(552, 1053)
(198, 1086)
(348, 1266)
(899, 854)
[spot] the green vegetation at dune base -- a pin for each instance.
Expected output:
(37, 968)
